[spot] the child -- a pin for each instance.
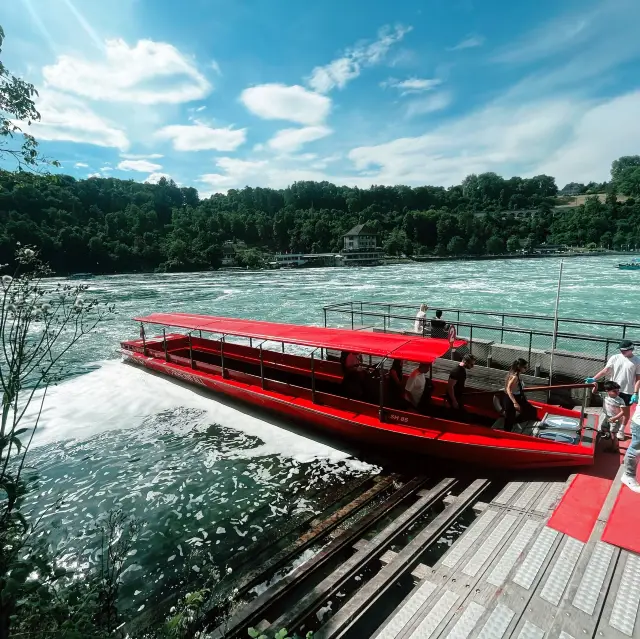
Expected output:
(614, 408)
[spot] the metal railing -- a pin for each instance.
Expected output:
(498, 337)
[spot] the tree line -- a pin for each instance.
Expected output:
(107, 225)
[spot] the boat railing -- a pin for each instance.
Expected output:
(497, 338)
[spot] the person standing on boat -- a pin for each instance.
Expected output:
(421, 319)
(352, 375)
(457, 381)
(624, 369)
(395, 384)
(438, 326)
(516, 406)
(419, 388)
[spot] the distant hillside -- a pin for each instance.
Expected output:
(579, 200)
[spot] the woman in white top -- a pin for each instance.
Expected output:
(421, 321)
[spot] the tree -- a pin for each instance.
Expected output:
(456, 245)
(625, 174)
(513, 244)
(40, 323)
(495, 246)
(16, 108)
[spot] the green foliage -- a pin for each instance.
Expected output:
(108, 225)
(625, 175)
(17, 111)
(39, 324)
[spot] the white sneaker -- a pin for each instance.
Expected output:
(631, 482)
(620, 435)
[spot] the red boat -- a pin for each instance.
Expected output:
(310, 388)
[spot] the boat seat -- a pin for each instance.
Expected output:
(249, 359)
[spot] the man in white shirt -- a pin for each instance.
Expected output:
(624, 369)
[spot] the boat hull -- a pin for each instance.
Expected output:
(463, 444)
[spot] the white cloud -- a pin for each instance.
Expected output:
(601, 134)
(199, 137)
(430, 104)
(106, 169)
(93, 175)
(154, 178)
(470, 42)
(280, 102)
(216, 67)
(412, 85)
(144, 166)
(141, 156)
(290, 140)
(349, 66)
(148, 73)
(65, 118)
(81, 165)
(570, 139)
(235, 173)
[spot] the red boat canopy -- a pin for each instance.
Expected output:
(413, 349)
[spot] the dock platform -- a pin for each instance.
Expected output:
(510, 575)
(507, 575)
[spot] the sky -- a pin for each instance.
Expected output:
(222, 94)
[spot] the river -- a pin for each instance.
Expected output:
(207, 478)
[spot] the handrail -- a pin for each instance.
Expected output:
(532, 389)
(346, 306)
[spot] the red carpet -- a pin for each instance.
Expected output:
(623, 527)
(578, 510)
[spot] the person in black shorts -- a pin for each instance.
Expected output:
(457, 381)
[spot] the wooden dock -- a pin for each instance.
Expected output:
(507, 575)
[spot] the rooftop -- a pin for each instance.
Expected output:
(361, 229)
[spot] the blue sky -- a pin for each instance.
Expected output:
(223, 94)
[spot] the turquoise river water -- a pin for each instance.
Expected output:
(203, 475)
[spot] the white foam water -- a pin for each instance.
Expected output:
(120, 396)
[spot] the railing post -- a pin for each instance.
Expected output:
(144, 340)
(584, 406)
(164, 339)
(200, 334)
(261, 368)
(251, 342)
(381, 409)
(313, 377)
(351, 316)
(384, 323)
(324, 310)
(502, 330)
(222, 355)
(361, 316)
(530, 343)
(624, 331)
(190, 351)
(283, 347)
(471, 339)
(606, 352)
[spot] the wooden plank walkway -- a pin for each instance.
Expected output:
(510, 575)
